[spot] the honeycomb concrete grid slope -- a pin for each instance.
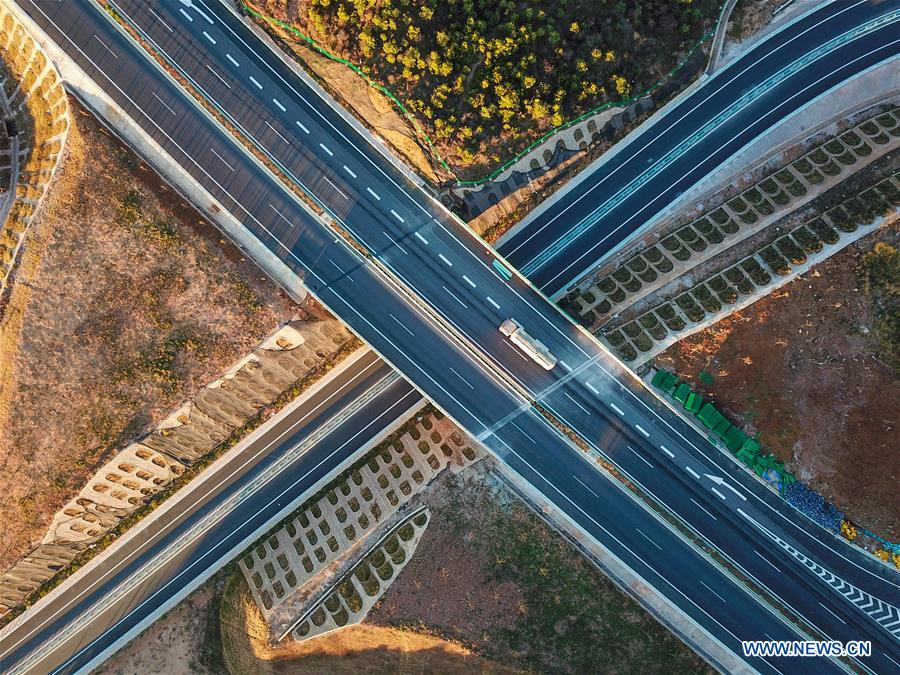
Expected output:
(147, 466)
(321, 536)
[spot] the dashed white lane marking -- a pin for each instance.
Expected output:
(592, 388)
(349, 170)
(713, 592)
(397, 216)
(700, 506)
(565, 366)
(444, 258)
(692, 472)
(468, 384)
(340, 270)
(209, 37)
(339, 191)
(233, 60)
(667, 451)
(106, 47)
(160, 19)
(218, 77)
(566, 394)
(491, 300)
(281, 215)
(892, 660)
(642, 430)
(767, 561)
(617, 409)
(212, 150)
(718, 493)
(832, 614)
(278, 103)
(280, 135)
(186, 15)
(373, 193)
(256, 82)
(450, 293)
(648, 539)
(469, 281)
(302, 127)
(326, 149)
(156, 96)
(421, 238)
(401, 324)
(585, 486)
(396, 243)
(638, 455)
(522, 431)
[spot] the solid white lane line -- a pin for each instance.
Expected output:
(667, 451)
(277, 132)
(469, 281)
(213, 151)
(522, 431)
(278, 103)
(565, 366)
(450, 293)
(373, 193)
(218, 77)
(892, 660)
(281, 215)
(444, 258)
(648, 539)
(156, 96)
(692, 472)
(256, 82)
(832, 614)
(401, 324)
(515, 350)
(302, 127)
(233, 61)
(339, 191)
(617, 409)
(396, 243)
(186, 15)
(585, 486)
(642, 430)
(638, 455)
(592, 388)
(491, 300)
(326, 149)
(718, 493)
(468, 384)
(348, 170)
(700, 506)
(209, 37)
(566, 394)
(397, 216)
(421, 238)
(160, 19)
(340, 270)
(106, 46)
(713, 592)
(766, 560)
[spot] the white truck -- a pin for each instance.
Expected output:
(536, 349)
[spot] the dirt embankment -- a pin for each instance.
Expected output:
(805, 368)
(126, 303)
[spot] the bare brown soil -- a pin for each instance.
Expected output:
(802, 367)
(173, 645)
(356, 649)
(488, 573)
(126, 303)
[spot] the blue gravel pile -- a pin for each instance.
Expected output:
(813, 504)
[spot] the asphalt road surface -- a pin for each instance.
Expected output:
(429, 301)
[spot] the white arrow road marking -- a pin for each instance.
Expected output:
(718, 480)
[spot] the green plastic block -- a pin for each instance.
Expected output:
(721, 428)
(715, 420)
(659, 378)
(734, 439)
(693, 402)
(706, 413)
(751, 445)
(682, 392)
